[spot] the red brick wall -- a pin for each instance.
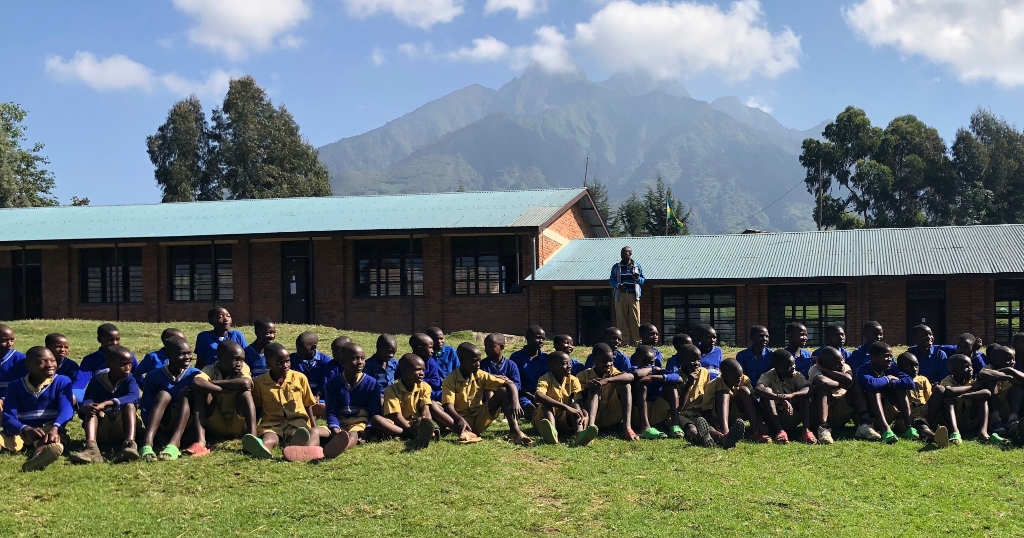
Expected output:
(970, 307)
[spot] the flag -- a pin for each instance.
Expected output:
(671, 218)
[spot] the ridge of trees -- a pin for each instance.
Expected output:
(641, 215)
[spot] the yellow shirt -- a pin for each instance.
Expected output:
(284, 402)
(212, 373)
(779, 385)
(718, 385)
(695, 398)
(588, 375)
(815, 371)
(1001, 386)
(919, 397)
(950, 382)
(565, 392)
(467, 393)
(398, 399)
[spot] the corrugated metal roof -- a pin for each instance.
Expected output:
(453, 210)
(886, 252)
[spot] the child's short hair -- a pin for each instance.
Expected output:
(338, 343)
(120, 352)
(106, 329)
(35, 353)
(496, 338)
(384, 339)
(920, 329)
(260, 325)
(704, 330)
(51, 339)
(229, 348)
(612, 331)
(169, 332)
(557, 357)
(755, 330)
(434, 331)
(689, 350)
(408, 361)
(879, 348)
(680, 340)
(780, 355)
(644, 350)
(731, 366)
(831, 353)
(534, 330)
(795, 327)
(177, 342)
(968, 339)
(274, 348)
(961, 358)
(997, 354)
(346, 350)
(603, 349)
(467, 351)
(560, 339)
(870, 326)
(905, 358)
(5, 328)
(647, 328)
(212, 313)
(833, 328)
(307, 338)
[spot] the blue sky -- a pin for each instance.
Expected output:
(98, 77)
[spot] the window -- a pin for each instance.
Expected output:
(486, 265)
(385, 267)
(685, 310)
(1009, 296)
(110, 275)
(201, 272)
(814, 306)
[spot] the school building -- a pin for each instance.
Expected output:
(494, 261)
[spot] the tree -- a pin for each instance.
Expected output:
(181, 151)
(258, 148)
(599, 194)
(23, 180)
(79, 202)
(630, 217)
(656, 202)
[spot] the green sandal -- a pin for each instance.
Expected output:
(147, 453)
(652, 433)
(677, 432)
(170, 453)
(586, 436)
(890, 438)
(548, 432)
(911, 434)
(254, 447)
(954, 438)
(997, 440)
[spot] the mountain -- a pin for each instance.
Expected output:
(725, 160)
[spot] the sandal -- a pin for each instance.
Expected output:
(170, 453)
(954, 438)
(629, 435)
(548, 432)
(147, 453)
(300, 437)
(196, 450)
(254, 447)
(521, 440)
(704, 432)
(587, 436)
(653, 433)
(424, 433)
(677, 432)
(468, 438)
(739, 429)
(941, 437)
(303, 453)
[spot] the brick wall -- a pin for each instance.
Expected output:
(970, 307)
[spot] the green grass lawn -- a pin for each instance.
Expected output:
(659, 488)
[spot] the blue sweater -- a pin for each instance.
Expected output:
(872, 382)
(384, 373)
(447, 360)
(344, 401)
(803, 361)
(207, 342)
(22, 407)
(712, 361)
(858, 357)
(12, 368)
(432, 377)
(95, 363)
(978, 359)
(842, 351)
(754, 366)
(313, 368)
(257, 361)
(152, 361)
(162, 381)
(932, 361)
(100, 390)
(619, 360)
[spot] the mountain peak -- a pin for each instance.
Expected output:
(537, 90)
(639, 83)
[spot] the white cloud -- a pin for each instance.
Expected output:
(119, 72)
(977, 39)
(670, 40)
(523, 8)
(377, 57)
(549, 52)
(756, 102)
(414, 51)
(421, 13)
(486, 49)
(238, 27)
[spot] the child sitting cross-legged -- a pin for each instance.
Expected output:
(408, 411)
(222, 401)
(558, 408)
(655, 398)
(607, 393)
(462, 398)
(108, 410)
(965, 402)
(783, 393)
(693, 383)
(37, 407)
(832, 401)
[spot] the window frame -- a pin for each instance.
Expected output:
(221, 272)
(117, 266)
(1010, 292)
(473, 249)
(726, 329)
(815, 329)
(374, 253)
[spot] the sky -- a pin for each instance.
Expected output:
(98, 77)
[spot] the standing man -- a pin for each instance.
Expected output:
(625, 280)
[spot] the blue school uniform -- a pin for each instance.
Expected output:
(100, 389)
(163, 380)
(12, 368)
(753, 365)
(859, 357)
(345, 401)
(25, 408)
(803, 360)
(978, 359)
(528, 383)
(257, 361)
(619, 360)
(932, 362)
(654, 388)
(447, 360)
(508, 369)
(314, 368)
(712, 360)
(384, 373)
(94, 364)
(432, 377)
(207, 342)
(842, 351)
(870, 381)
(154, 361)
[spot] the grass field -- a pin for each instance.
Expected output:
(647, 488)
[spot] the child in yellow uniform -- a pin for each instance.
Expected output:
(694, 381)
(784, 394)
(409, 413)
(965, 402)
(727, 400)
(462, 398)
(286, 399)
(832, 403)
(925, 403)
(606, 392)
(557, 395)
(222, 401)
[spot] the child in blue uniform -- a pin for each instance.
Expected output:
(156, 360)
(796, 342)
(869, 334)
(445, 356)
(929, 356)
(423, 346)
(309, 361)
(756, 359)
(266, 332)
(613, 337)
(532, 351)
(382, 365)
(12, 361)
(883, 383)
(207, 341)
(108, 410)
(36, 409)
(165, 399)
(96, 362)
(655, 398)
(835, 337)
(710, 353)
(649, 336)
(58, 345)
(969, 345)
(353, 402)
(495, 362)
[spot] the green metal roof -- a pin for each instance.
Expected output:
(885, 252)
(410, 212)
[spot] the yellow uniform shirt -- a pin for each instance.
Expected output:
(211, 373)
(398, 399)
(815, 371)
(694, 399)
(1002, 387)
(780, 385)
(919, 397)
(950, 382)
(718, 385)
(588, 375)
(565, 392)
(284, 402)
(467, 393)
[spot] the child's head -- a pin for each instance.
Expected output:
(230, 358)
(923, 336)
(960, 368)
(119, 362)
(337, 344)
(871, 333)
(613, 337)
(1001, 357)
(41, 364)
(422, 345)
(643, 356)
(689, 358)
(907, 362)
(535, 337)
(6, 338)
(170, 332)
(649, 335)
(796, 335)
(731, 372)
(494, 346)
(278, 359)
(835, 335)
(412, 368)
(179, 353)
(469, 358)
(881, 356)
(603, 358)
(219, 317)
(830, 359)
(353, 359)
(707, 338)
(560, 364)
(305, 344)
(681, 340)
(437, 335)
(58, 345)
(783, 363)
(563, 343)
(386, 346)
(108, 335)
(966, 344)
(758, 336)
(266, 331)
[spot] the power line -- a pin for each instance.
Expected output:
(723, 229)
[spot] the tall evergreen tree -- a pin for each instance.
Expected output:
(599, 194)
(181, 151)
(656, 202)
(24, 182)
(631, 217)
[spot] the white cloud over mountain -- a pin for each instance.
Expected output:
(421, 13)
(237, 28)
(119, 72)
